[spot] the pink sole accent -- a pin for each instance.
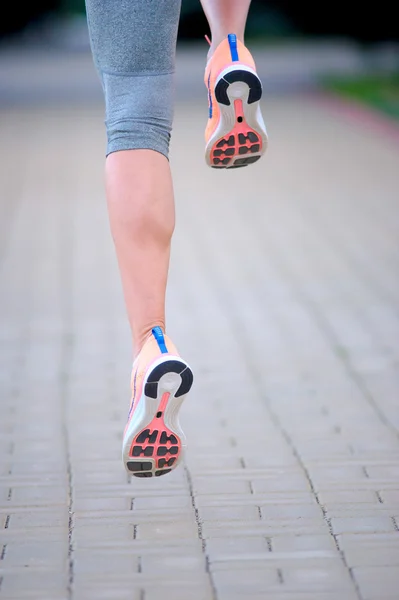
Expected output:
(241, 142)
(156, 441)
(164, 401)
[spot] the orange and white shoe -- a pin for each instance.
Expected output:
(236, 134)
(153, 440)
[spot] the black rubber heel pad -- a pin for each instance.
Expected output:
(169, 366)
(252, 81)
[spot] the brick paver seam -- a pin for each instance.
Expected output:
(3, 548)
(246, 352)
(66, 261)
(64, 396)
(2, 555)
(200, 534)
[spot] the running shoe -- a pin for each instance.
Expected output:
(153, 441)
(236, 134)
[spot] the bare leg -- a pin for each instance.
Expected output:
(142, 217)
(224, 17)
(134, 44)
(138, 181)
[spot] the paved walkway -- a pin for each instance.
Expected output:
(284, 298)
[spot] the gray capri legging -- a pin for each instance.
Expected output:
(133, 43)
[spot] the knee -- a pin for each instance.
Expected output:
(139, 111)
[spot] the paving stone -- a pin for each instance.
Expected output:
(264, 499)
(355, 497)
(237, 545)
(377, 595)
(221, 486)
(30, 519)
(228, 579)
(380, 471)
(354, 524)
(290, 511)
(36, 554)
(102, 504)
(37, 583)
(361, 556)
(230, 513)
(330, 576)
(31, 534)
(112, 564)
(283, 594)
(131, 518)
(378, 540)
(39, 496)
(164, 565)
(375, 580)
(149, 503)
(181, 593)
(364, 511)
(268, 528)
(165, 530)
(119, 591)
(125, 491)
(128, 591)
(291, 484)
(390, 496)
(96, 532)
(143, 581)
(301, 543)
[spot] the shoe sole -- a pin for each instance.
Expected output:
(154, 442)
(240, 137)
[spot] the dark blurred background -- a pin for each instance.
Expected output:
(271, 19)
(334, 45)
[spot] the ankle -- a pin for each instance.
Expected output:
(143, 335)
(219, 37)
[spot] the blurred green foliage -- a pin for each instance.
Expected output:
(379, 91)
(72, 7)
